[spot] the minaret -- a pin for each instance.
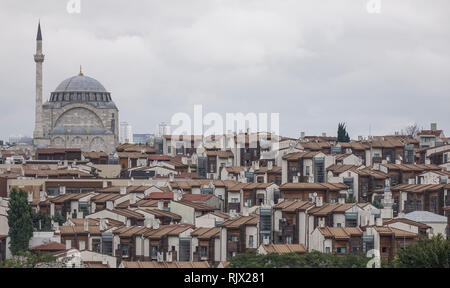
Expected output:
(39, 59)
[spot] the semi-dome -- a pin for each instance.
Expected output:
(78, 130)
(59, 130)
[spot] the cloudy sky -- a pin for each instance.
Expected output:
(317, 63)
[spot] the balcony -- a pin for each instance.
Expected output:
(232, 246)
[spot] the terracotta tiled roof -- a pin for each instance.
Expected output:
(196, 206)
(155, 264)
(398, 233)
(314, 186)
(206, 233)
(160, 195)
(241, 220)
(284, 248)
(340, 233)
(418, 188)
(197, 197)
(52, 246)
(299, 155)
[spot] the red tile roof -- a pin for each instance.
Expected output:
(52, 246)
(160, 195)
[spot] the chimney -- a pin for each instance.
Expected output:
(360, 138)
(62, 190)
(30, 197)
(324, 134)
(433, 127)
(302, 135)
(319, 201)
(341, 200)
(266, 241)
(103, 224)
(160, 205)
(155, 224)
(245, 211)
(379, 222)
(86, 225)
(123, 190)
(105, 184)
(256, 164)
(294, 179)
(132, 198)
(171, 177)
(270, 165)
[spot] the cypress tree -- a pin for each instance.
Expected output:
(20, 221)
(342, 133)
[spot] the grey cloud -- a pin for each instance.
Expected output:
(316, 62)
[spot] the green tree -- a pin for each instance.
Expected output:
(58, 218)
(377, 204)
(41, 222)
(27, 260)
(20, 221)
(350, 199)
(292, 260)
(342, 133)
(425, 253)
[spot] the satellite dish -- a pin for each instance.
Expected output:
(315, 194)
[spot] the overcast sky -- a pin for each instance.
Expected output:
(317, 63)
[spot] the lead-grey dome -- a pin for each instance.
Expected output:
(80, 83)
(81, 88)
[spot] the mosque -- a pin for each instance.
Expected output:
(78, 114)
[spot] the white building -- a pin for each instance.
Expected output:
(125, 133)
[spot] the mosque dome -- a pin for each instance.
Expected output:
(80, 88)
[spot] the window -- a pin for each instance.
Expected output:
(125, 250)
(250, 241)
(384, 249)
(203, 251)
(107, 243)
(327, 250)
(248, 202)
(341, 250)
(96, 245)
(154, 253)
(174, 248)
(354, 250)
(308, 172)
(288, 239)
(234, 200)
(234, 238)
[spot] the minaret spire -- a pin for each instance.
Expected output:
(39, 59)
(39, 34)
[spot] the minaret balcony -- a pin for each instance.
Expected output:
(39, 58)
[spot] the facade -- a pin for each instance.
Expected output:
(126, 133)
(79, 113)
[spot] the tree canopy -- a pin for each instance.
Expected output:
(342, 134)
(20, 221)
(425, 253)
(292, 260)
